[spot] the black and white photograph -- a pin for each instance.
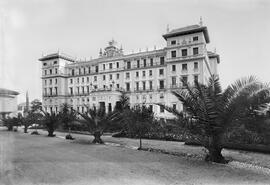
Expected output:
(134, 92)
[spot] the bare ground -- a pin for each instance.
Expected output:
(28, 160)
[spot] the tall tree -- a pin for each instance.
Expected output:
(67, 115)
(139, 120)
(211, 111)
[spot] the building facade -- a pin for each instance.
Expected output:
(8, 103)
(147, 77)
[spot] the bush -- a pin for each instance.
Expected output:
(35, 133)
(69, 137)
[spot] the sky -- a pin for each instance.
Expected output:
(239, 32)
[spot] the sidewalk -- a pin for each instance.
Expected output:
(175, 148)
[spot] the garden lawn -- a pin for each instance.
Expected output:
(29, 159)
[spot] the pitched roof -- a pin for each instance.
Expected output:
(4, 91)
(213, 55)
(188, 30)
(57, 55)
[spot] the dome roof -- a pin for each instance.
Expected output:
(7, 92)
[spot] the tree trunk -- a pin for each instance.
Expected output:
(140, 147)
(25, 129)
(214, 148)
(97, 137)
(10, 128)
(50, 133)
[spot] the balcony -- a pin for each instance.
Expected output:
(50, 95)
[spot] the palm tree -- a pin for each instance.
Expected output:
(210, 112)
(123, 103)
(51, 121)
(97, 121)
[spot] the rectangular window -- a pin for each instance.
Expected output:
(184, 67)
(50, 91)
(184, 52)
(143, 86)
(104, 66)
(45, 82)
(55, 81)
(161, 84)
(151, 108)
(117, 86)
(195, 38)
(117, 76)
(195, 65)
(117, 64)
(161, 60)
(110, 65)
(78, 80)
(96, 69)
(173, 54)
(137, 86)
(104, 77)
(150, 85)
(127, 75)
(196, 78)
(161, 72)
(84, 71)
(138, 63)
(150, 73)
(173, 42)
(127, 86)
(71, 81)
(50, 71)
(173, 81)
(55, 71)
(195, 51)
(185, 79)
(143, 73)
(161, 109)
(128, 65)
(72, 72)
(82, 79)
(137, 73)
(151, 62)
(50, 81)
(174, 106)
(79, 71)
(45, 72)
(88, 90)
(95, 78)
(78, 90)
(89, 70)
(87, 79)
(144, 62)
(173, 68)
(110, 76)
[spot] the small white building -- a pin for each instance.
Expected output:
(147, 77)
(8, 103)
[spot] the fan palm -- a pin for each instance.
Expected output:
(211, 111)
(51, 121)
(97, 121)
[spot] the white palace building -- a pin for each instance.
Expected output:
(147, 77)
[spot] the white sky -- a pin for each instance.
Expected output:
(239, 30)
